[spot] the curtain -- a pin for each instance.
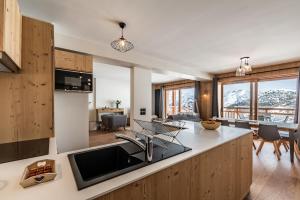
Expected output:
(156, 102)
(196, 96)
(161, 103)
(215, 105)
(296, 119)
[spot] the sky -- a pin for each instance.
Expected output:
(288, 84)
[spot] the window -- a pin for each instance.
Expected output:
(273, 100)
(236, 100)
(277, 100)
(172, 102)
(179, 100)
(187, 99)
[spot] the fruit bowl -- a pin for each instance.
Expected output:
(211, 125)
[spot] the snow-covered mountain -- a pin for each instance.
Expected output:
(237, 98)
(268, 98)
(277, 98)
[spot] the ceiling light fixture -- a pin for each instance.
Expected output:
(244, 67)
(122, 44)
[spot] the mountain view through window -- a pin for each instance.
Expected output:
(276, 100)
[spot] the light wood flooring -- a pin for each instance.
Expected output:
(105, 137)
(272, 179)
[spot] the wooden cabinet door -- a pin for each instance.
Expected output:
(80, 62)
(65, 60)
(89, 63)
(12, 30)
(73, 61)
(37, 80)
(27, 103)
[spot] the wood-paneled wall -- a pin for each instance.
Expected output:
(224, 172)
(284, 70)
(175, 84)
(205, 100)
(26, 101)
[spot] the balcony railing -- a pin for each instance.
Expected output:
(276, 114)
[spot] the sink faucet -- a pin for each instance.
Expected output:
(148, 148)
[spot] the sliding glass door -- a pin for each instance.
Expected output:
(172, 102)
(267, 100)
(179, 100)
(277, 100)
(187, 99)
(236, 100)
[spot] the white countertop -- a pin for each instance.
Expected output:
(64, 186)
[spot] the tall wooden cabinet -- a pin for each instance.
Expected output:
(26, 101)
(10, 34)
(73, 61)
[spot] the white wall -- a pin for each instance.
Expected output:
(71, 121)
(112, 83)
(141, 95)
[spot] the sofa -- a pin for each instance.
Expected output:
(195, 117)
(113, 121)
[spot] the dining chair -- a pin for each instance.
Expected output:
(286, 119)
(284, 140)
(269, 133)
(261, 118)
(242, 116)
(268, 117)
(297, 143)
(246, 125)
(223, 122)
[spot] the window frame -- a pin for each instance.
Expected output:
(174, 98)
(253, 92)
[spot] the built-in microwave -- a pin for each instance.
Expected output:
(73, 81)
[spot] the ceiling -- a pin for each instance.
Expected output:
(164, 78)
(114, 72)
(192, 36)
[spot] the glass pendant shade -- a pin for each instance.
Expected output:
(244, 67)
(247, 68)
(240, 71)
(121, 44)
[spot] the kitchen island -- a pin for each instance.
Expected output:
(219, 166)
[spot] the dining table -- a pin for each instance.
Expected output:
(292, 128)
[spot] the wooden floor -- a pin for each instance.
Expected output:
(105, 137)
(272, 179)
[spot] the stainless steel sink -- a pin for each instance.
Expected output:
(97, 165)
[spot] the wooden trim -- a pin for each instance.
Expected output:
(255, 100)
(179, 99)
(264, 69)
(222, 99)
(175, 84)
(2, 27)
(72, 51)
(251, 100)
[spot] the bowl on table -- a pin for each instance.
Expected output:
(210, 125)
